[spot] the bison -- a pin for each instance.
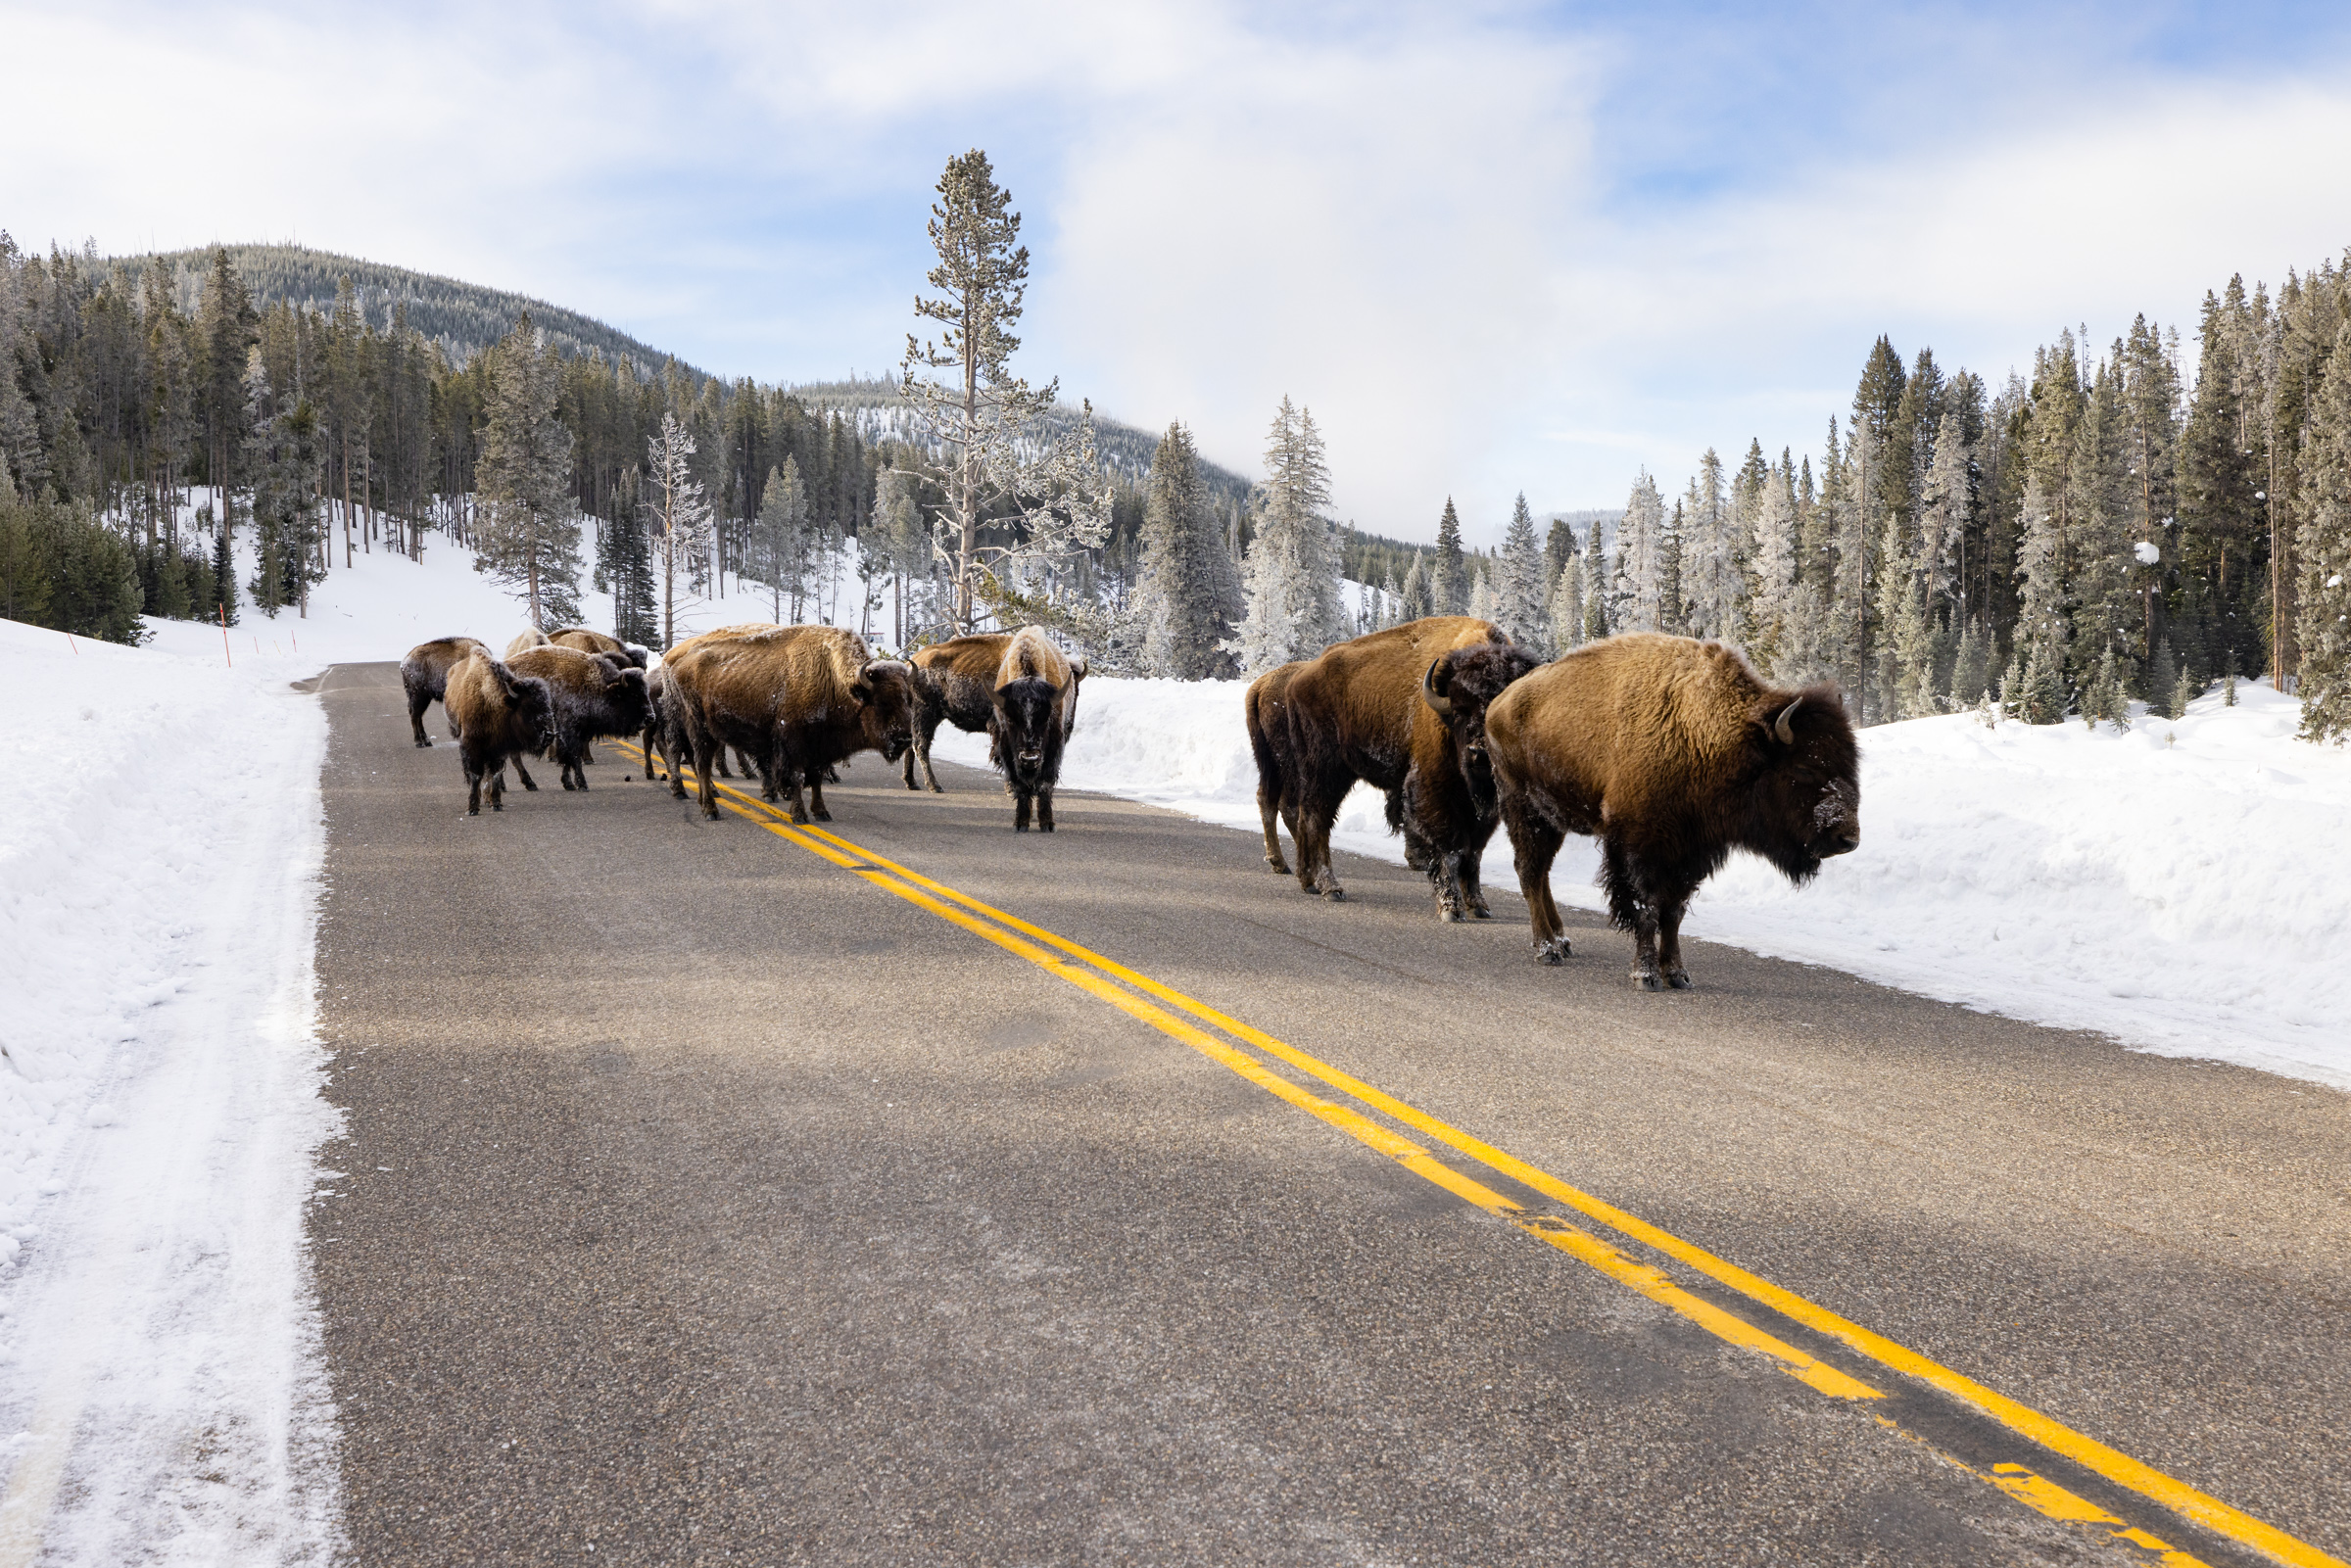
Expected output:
(796, 699)
(593, 694)
(424, 674)
(1672, 753)
(496, 716)
(1450, 803)
(956, 683)
(1036, 698)
(1265, 711)
(592, 641)
(1358, 711)
(529, 638)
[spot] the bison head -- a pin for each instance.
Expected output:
(1806, 804)
(885, 693)
(1458, 689)
(1027, 728)
(532, 703)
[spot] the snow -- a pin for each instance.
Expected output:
(2184, 886)
(160, 1110)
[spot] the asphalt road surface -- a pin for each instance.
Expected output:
(716, 1195)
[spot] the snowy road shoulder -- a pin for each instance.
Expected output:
(161, 1392)
(2183, 885)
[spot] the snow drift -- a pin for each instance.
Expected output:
(2183, 885)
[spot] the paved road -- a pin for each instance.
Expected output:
(706, 1202)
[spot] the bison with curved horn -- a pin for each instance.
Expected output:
(956, 683)
(1672, 753)
(798, 699)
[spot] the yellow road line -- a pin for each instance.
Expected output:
(2093, 1455)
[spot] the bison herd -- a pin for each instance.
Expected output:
(1671, 752)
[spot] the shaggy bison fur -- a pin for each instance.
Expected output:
(1036, 699)
(1672, 753)
(424, 676)
(798, 699)
(956, 683)
(1450, 803)
(496, 716)
(593, 694)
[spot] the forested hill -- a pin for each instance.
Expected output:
(464, 318)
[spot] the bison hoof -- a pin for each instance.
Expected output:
(1648, 980)
(1482, 911)
(1281, 867)
(424, 741)
(1337, 896)
(1552, 952)
(1679, 980)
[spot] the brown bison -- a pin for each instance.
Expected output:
(530, 636)
(1672, 753)
(1450, 803)
(1035, 698)
(424, 674)
(796, 699)
(1265, 711)
(956, 683)
(496, 716)
(593, 694)
(592, 641)
(1358, 711)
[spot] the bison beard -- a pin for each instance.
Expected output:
(1672, 753)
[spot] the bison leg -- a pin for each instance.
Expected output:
(1534, 845)
(587, 758)
(1044, 810)
(1022, 800)
(705, 781)
(419, 701)
(1316, 812)
(498, 786)
(1473, 890)
(816, 795)
(1670, 940)
(1269, 806)
(473, 791)
(522, 773)
(1633, 908)
(1445, 875)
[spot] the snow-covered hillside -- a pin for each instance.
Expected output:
(2184, 886)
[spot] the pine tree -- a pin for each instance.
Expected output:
(284, 458)
(784, 540)
(529, 534)
(1187, 593)
(1559, 549)
(1773, 555)
(1567, 605)
(1971, 666)
(2322, 551)
(1594, 584)
(1641, 559)
(1519, 596)
(1418, 599)
(636, 592)
(1713, 557)
(1449, 582)
(1292, 576)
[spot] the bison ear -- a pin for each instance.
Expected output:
(1781, 728)
(1433, 686)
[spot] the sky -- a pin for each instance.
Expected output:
(1494, 248)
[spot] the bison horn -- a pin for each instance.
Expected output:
(1428, 689)
(1781, 727)
(1077, 666)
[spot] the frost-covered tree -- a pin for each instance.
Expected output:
(1712, 571)
(1187, 594)
(1594, 577)
(1641, 560)
(1042, 496)
(283, 456)
(528, 534)
(783, 541)
(1520, 597)
(1417, 600)
(1772, 553)
(678, 517)
(1449, 573)
(2324, 553)
(1290, 585)
(1566, 604)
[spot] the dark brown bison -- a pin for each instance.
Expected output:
(1450, 803)
(593, 694)
(1036, 698)
(1265, 711)
(1672, 753)
(956, 683)
(796, 699)
(424, 675)
(1356, 711)
(496, 716)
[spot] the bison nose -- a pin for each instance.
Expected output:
(1843, 841)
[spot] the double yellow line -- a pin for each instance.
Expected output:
(1181, 1018)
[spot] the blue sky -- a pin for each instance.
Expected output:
(1494, 248)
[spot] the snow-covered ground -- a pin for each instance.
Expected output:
(159, 843)
(2184, 886)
